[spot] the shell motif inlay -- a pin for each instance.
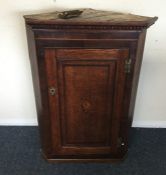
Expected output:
(86, 105)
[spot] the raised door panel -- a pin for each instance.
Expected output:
(86, 108)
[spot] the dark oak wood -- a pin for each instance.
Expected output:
(87, 83)
(85, 75)
(93, 17)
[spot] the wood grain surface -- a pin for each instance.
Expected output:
(92, 62)
(91, 16)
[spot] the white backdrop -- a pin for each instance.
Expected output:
(17, 105)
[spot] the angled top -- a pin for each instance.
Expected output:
(93, 17)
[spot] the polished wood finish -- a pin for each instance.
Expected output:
(85, 74)
(86, 81)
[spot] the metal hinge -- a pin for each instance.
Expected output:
(120, 142)
(128, 66)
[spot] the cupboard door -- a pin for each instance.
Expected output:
(86, 88)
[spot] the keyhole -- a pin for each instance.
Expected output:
(52, 91)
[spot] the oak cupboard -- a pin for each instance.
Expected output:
(85, 66)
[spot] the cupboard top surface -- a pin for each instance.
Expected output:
(92, 17)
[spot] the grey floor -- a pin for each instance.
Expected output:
(20, 155)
